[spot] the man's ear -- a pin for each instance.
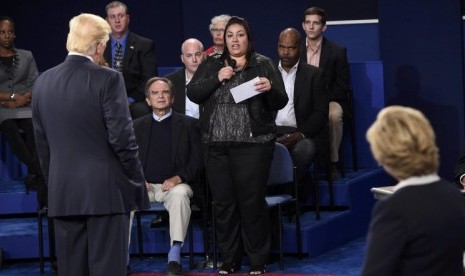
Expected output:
(148, 101)
(100, 49)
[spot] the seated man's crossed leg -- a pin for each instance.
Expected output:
(177, 201)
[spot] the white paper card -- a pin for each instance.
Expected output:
(245, 90)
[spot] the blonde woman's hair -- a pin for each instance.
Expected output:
(403, 141)
(85, 32)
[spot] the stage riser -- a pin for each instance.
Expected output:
(333, 230)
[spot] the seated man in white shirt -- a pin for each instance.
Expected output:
(302, 123)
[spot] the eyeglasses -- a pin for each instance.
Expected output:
(214, 30)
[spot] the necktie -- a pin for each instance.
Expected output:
(118, 60)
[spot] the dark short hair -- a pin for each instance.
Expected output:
(154, 79)
(243, 23)
(317, 11)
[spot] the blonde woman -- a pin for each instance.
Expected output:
(419, 229)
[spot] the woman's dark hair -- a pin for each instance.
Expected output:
(239, 21)
(7, 18)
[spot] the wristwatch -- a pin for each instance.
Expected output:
(12, 97)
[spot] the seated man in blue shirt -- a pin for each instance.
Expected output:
(170, 153)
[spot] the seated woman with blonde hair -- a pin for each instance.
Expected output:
(419, 229)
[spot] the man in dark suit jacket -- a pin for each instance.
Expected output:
(191, 56)
(88, 154)
(332, 58)
(302, 123)
(170, 153)
(139, 59)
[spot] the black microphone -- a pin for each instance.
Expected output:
(231, 63)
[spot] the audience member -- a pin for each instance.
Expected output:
(88, 154)
(131, 54)
(302, 123)
(238, 139)
(171, 155)
(459, 177)
(217, 26)
(332, 58)
(418, 230)
(191, 56)
(18, 71)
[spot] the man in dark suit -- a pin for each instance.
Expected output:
(88, 154)
(170, 153)
(137, 59)
(332, 58)
(302, 123)
(191, 56)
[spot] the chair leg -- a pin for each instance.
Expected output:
(354, 145)
(191, 245)
(139, 235)
(316, 191)
(330, 189)
(280, 233)
(298, 230)
(41, 240)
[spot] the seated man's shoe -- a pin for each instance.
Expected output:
(174, 269)
(160, 221)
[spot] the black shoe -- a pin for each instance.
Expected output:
(128, 270)
(160, 221)
(174, 269)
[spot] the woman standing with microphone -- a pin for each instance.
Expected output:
(238, 142)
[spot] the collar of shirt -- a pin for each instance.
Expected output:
(122, 42)
(159, 119)
(294, 68)
(187, 79)
(416, 181)
(318, 44)
(71, 53)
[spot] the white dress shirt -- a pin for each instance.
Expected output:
(286, 116)
(192, 109)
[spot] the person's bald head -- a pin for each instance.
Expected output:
(289, 48)
(192, 54)
(292, 33)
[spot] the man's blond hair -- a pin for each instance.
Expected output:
(85, 32)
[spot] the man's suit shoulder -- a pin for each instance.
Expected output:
(142, 120)
(132, 37)
(185, 118)
(178, 74)
(330, 45)
(309, 68)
